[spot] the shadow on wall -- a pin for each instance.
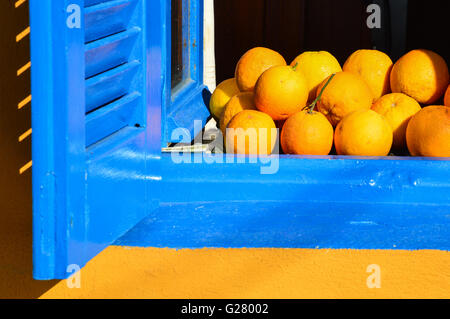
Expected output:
(15, 141)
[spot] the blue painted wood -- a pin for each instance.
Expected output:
(293, 224)
(109, 119)
(110, 52)
(110, 85)
(190, 107)
(116, 62)
(187, 102)
(117, 196)
(107, 18)
(88, 3)
(124, 170)
(325, 202)
(400, 180)
(58, 150)
(86, 196)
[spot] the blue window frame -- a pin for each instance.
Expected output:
(186, 98)
(96, 184)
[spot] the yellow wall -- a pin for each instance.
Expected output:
(121, 272)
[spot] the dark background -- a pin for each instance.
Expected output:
(338, 26)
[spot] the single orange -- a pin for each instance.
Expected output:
(307, 133)
(281, 92)
(252, 133)
(398, 109)
(363, 133)
(221, 96)
(447, 97)
(346, 93)
(421, 74)
(253, 63)
(428, 132)
(374, 67)
(316, 67)
(238, 103)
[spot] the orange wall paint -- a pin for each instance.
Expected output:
(121, 272)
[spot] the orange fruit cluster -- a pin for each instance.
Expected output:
(369, 107)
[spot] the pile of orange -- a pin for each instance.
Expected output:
(368, 107)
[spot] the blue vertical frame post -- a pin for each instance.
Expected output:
(157, 25)
(189, 101)
(156, 53)
(58, 151)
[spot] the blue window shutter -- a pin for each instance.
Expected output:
(96, 125)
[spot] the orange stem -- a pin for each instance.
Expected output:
(313, 104)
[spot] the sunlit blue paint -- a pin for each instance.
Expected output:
(58, 150)
(189, 101)
(93, 173)
(311, 202)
